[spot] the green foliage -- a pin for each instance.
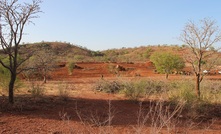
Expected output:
(196, 108)
(211, 91)
(96, 53)
(166, 62)
(70, 67)
(5, 79)
(182, 91)
(155, 87)
(147, 53)
(132, 89)
(78, 57)
(173, 92)
(143, 88)
(135, 90)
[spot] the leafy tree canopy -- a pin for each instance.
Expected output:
(167, 62)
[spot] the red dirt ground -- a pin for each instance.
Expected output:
(108, 70)
(57, 115)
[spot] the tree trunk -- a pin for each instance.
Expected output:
(44, 81)
(197, 88)
(167, 75)
(45, 75)
(11, 89)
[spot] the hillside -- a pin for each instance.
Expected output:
(63, 51)
(88, 63)
(68, 52)
(142, 53)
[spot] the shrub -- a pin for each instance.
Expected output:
(143, 88)
(155, 87)
(211, 91)
(112, 68)
(182, 91)
(36, 89)
(78, 57)
(71, 66)
(64, 91)
(132, 89)
(197, 109)
(108, 86)
(5, 79)
(136, 89)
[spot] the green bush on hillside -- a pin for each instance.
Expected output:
(70, 67)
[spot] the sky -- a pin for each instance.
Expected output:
(108, 24)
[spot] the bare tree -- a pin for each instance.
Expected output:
(200, 38)
(40, 64)
(14, 17)
(44, 61)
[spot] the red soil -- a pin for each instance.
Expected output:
(56, 115)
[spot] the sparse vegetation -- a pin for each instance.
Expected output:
(109, 91)
(174, 91)
(36, 89)
(182, 91)
(132, 89)
(64, 91)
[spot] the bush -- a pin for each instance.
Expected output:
(112, 68)
(182, 91)
(36, 89)
(155, 87)
(108, 86)
(64, 91)
(197, 109)
(144, 88)
(211, 91)
(71, 66)
(5, 79)
(134, 90)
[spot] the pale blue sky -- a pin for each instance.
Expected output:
(107, 24)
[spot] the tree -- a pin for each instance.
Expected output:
(40, 63)
(14, 16)
(44, 62)
(166, 62)
(200, 38)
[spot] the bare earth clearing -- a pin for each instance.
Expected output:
(84, 110)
